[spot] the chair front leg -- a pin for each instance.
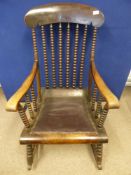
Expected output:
(23, 116)
(97, 150)
(102, 119)
(29, 156)
(98, 106)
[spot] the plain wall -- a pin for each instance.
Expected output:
(113, 53)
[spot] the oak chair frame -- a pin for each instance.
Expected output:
(97, 93)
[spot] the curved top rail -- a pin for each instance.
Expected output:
(64, 12)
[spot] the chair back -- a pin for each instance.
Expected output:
(64, 30)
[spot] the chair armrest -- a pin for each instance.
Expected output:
(112, 100)
(12, 104)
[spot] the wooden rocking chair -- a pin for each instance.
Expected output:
(63, 111)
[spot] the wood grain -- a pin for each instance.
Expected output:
(111, 99)
(64, 12)
(12, 104)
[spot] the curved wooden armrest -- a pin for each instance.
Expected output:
(12, 104)
(112, 100)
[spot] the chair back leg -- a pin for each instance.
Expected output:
(97, 150)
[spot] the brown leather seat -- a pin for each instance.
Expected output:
(64, 117)
(67, 114)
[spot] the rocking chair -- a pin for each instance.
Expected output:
(64, 110)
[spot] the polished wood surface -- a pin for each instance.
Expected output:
(28, 137)
(112, 100)
(12, 104)
(64, 12)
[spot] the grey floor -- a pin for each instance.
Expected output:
(68, 159)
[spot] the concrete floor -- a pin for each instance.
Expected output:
(68, 159)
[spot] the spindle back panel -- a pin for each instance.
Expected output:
(66, 41)
(65, 51)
